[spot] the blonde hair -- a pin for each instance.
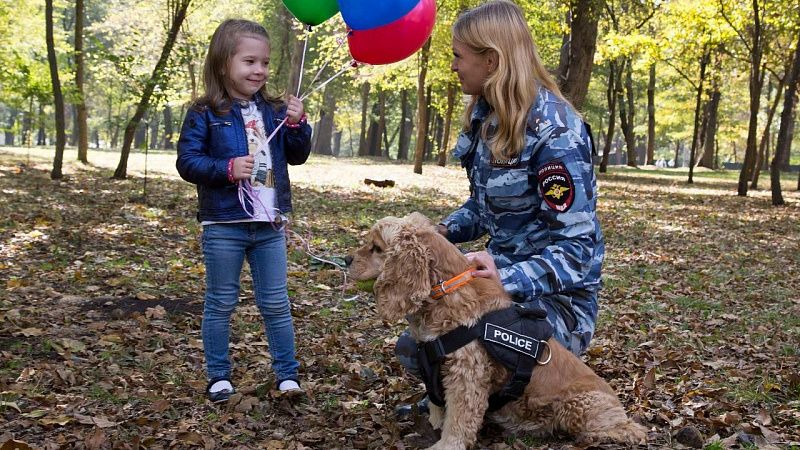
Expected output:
(220, 51)
(499, 26)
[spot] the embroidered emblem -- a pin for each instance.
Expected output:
(557, 186)
(514, 341)
(508, 162)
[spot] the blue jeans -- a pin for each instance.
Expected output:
(225, 247)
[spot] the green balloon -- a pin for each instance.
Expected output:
(312, 12)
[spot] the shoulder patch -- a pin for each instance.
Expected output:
(557, 186)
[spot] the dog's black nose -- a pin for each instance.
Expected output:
(347, 260)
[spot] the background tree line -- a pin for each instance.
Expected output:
(691, 82)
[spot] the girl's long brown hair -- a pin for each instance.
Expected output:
(220, 51)
(499, 26)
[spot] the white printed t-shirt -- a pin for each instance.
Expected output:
(263, 178)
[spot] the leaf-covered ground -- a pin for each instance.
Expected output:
(101, 301)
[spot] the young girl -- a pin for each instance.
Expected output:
(243, 193)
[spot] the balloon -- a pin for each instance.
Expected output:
(395, 41)
(363, 15)
(312, 12)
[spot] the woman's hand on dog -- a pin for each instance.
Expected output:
(484, 265)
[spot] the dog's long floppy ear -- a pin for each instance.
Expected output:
(405, 282)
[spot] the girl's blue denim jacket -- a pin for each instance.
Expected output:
(209, 141)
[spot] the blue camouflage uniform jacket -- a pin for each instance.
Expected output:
(539, 212)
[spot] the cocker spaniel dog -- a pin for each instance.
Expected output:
(407, 258)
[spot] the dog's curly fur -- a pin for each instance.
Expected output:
(408, 256)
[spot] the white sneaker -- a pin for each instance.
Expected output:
(289, 386)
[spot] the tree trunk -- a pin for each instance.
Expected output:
(699, 100)
(178, 14)
(324, 129)
(286, 35)
(9, 131)
(41, 134)
(761, 161)
(363, 150)
(577, 51)
(296, 58)
(431, 125)
(611, 99)
(422, 116)
(437, 135)
(784, 144)
(707, 160)
(71, 117)
(58, 96)
(169, 130)
(373, 133)
(625, 114)
(403, 129)
(192, 79)
(81, 118)
(141, 132)
(382, 135)
(448, 120)
(155, 126)
(756, 80)
(651, 116)
(630, 137)
(337, 143)
(677, 152)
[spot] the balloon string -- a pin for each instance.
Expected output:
(303, 61)
(319, 72)
(349, 65)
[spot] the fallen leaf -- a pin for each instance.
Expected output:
(28, 332)
(15, 445)
(155, 313)
(763, 417)
(9, 405)
(35, 414)
(57, 420)
(99, 421)
(160, 405)
(96, 439)
(649, 380)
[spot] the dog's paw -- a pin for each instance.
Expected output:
(436, 417)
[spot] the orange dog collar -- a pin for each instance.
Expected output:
(452, 285)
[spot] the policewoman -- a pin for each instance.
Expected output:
(528, 156)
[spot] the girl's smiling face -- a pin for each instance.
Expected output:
(248, 67)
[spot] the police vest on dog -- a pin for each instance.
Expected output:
(515, 337)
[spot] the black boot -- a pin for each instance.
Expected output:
(407, 410)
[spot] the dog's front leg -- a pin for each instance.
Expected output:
(436, 417)
(467, 385)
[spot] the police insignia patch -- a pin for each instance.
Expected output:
(557, 186)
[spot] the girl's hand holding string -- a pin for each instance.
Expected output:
(241, 167)
(294, 110)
